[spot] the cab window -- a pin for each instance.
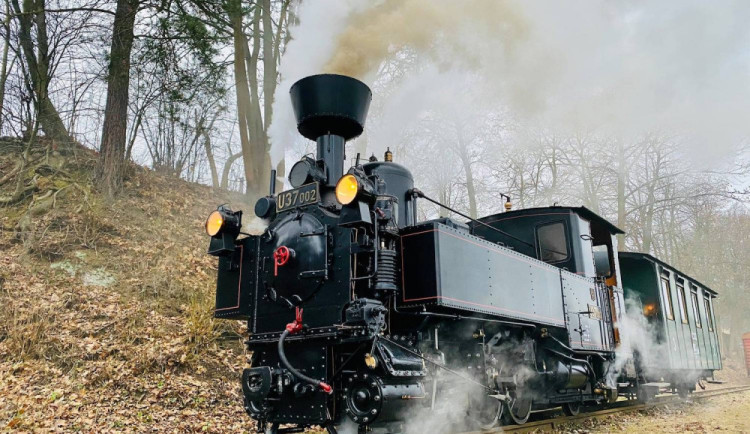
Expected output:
(553, 245)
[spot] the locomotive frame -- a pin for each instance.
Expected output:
(357, 311)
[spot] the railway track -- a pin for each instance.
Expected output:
(619, 407)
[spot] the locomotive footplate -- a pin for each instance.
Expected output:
(339, 333)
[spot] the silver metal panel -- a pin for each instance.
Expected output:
(584, 313)
(481, 276)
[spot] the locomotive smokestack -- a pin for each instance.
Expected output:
(330, 109)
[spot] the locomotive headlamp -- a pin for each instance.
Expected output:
(214, 223)
(305, 171)
(347, 189)
(223, 219)
(223, 225)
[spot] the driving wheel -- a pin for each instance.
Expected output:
(517, 409)
(571, 408)
(484, 411)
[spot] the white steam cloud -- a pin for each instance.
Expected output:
(624, 67)
(636, 335)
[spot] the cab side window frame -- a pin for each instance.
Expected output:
(541, 238)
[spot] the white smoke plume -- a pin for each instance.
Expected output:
(636, 335)
(625, 67)
(459, 399)
(313, 42)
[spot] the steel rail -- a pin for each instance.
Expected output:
(618, 407)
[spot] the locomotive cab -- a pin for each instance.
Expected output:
(572, 238)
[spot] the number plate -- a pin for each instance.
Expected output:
(305, 195)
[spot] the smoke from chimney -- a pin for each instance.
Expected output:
(680, 67)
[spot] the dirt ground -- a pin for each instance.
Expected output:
(726, 413)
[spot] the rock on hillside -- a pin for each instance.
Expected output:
(106, 324)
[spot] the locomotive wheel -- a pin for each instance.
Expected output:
(517, 410)
(485, 411)
(571, 408)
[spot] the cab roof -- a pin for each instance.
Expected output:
(582, 211)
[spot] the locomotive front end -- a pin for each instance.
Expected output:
(315, 285)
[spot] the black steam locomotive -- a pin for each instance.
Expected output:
(359, 313)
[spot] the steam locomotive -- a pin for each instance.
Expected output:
(360, 313)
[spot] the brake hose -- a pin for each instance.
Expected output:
(291, 328)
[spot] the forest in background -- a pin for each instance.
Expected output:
(185, 88)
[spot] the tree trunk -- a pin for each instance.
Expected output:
(648, 224)
(204, 131)
(280, 171)
(270, 59)
(38, 66)
(254, 117)
(260, 158)
(211, 159)
(112, 151)
(471, 192)
(621, 194)
(134, 135)
(227, 169)
(242, 91)
(4, 69)
(442, 212)
(269, 64)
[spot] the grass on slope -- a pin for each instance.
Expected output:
(106, 320)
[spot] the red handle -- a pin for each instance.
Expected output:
(325, 388)
(280, 257)
(296, 325)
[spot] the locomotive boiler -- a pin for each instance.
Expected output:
(359, 313)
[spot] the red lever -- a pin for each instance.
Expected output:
(295, 325)
(280, 257)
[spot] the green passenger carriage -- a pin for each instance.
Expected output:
(679, 310)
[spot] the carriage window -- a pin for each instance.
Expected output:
(667, 296)
(696, 310)
(553, 246)
(709, 316)
(681, 301)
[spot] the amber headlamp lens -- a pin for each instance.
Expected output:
(346, 189)
(214, 222)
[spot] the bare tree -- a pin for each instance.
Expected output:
(112, 151)
(37, 58)
(254, 120)
(4, 67)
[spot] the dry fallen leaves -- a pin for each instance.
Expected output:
(139, 355)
